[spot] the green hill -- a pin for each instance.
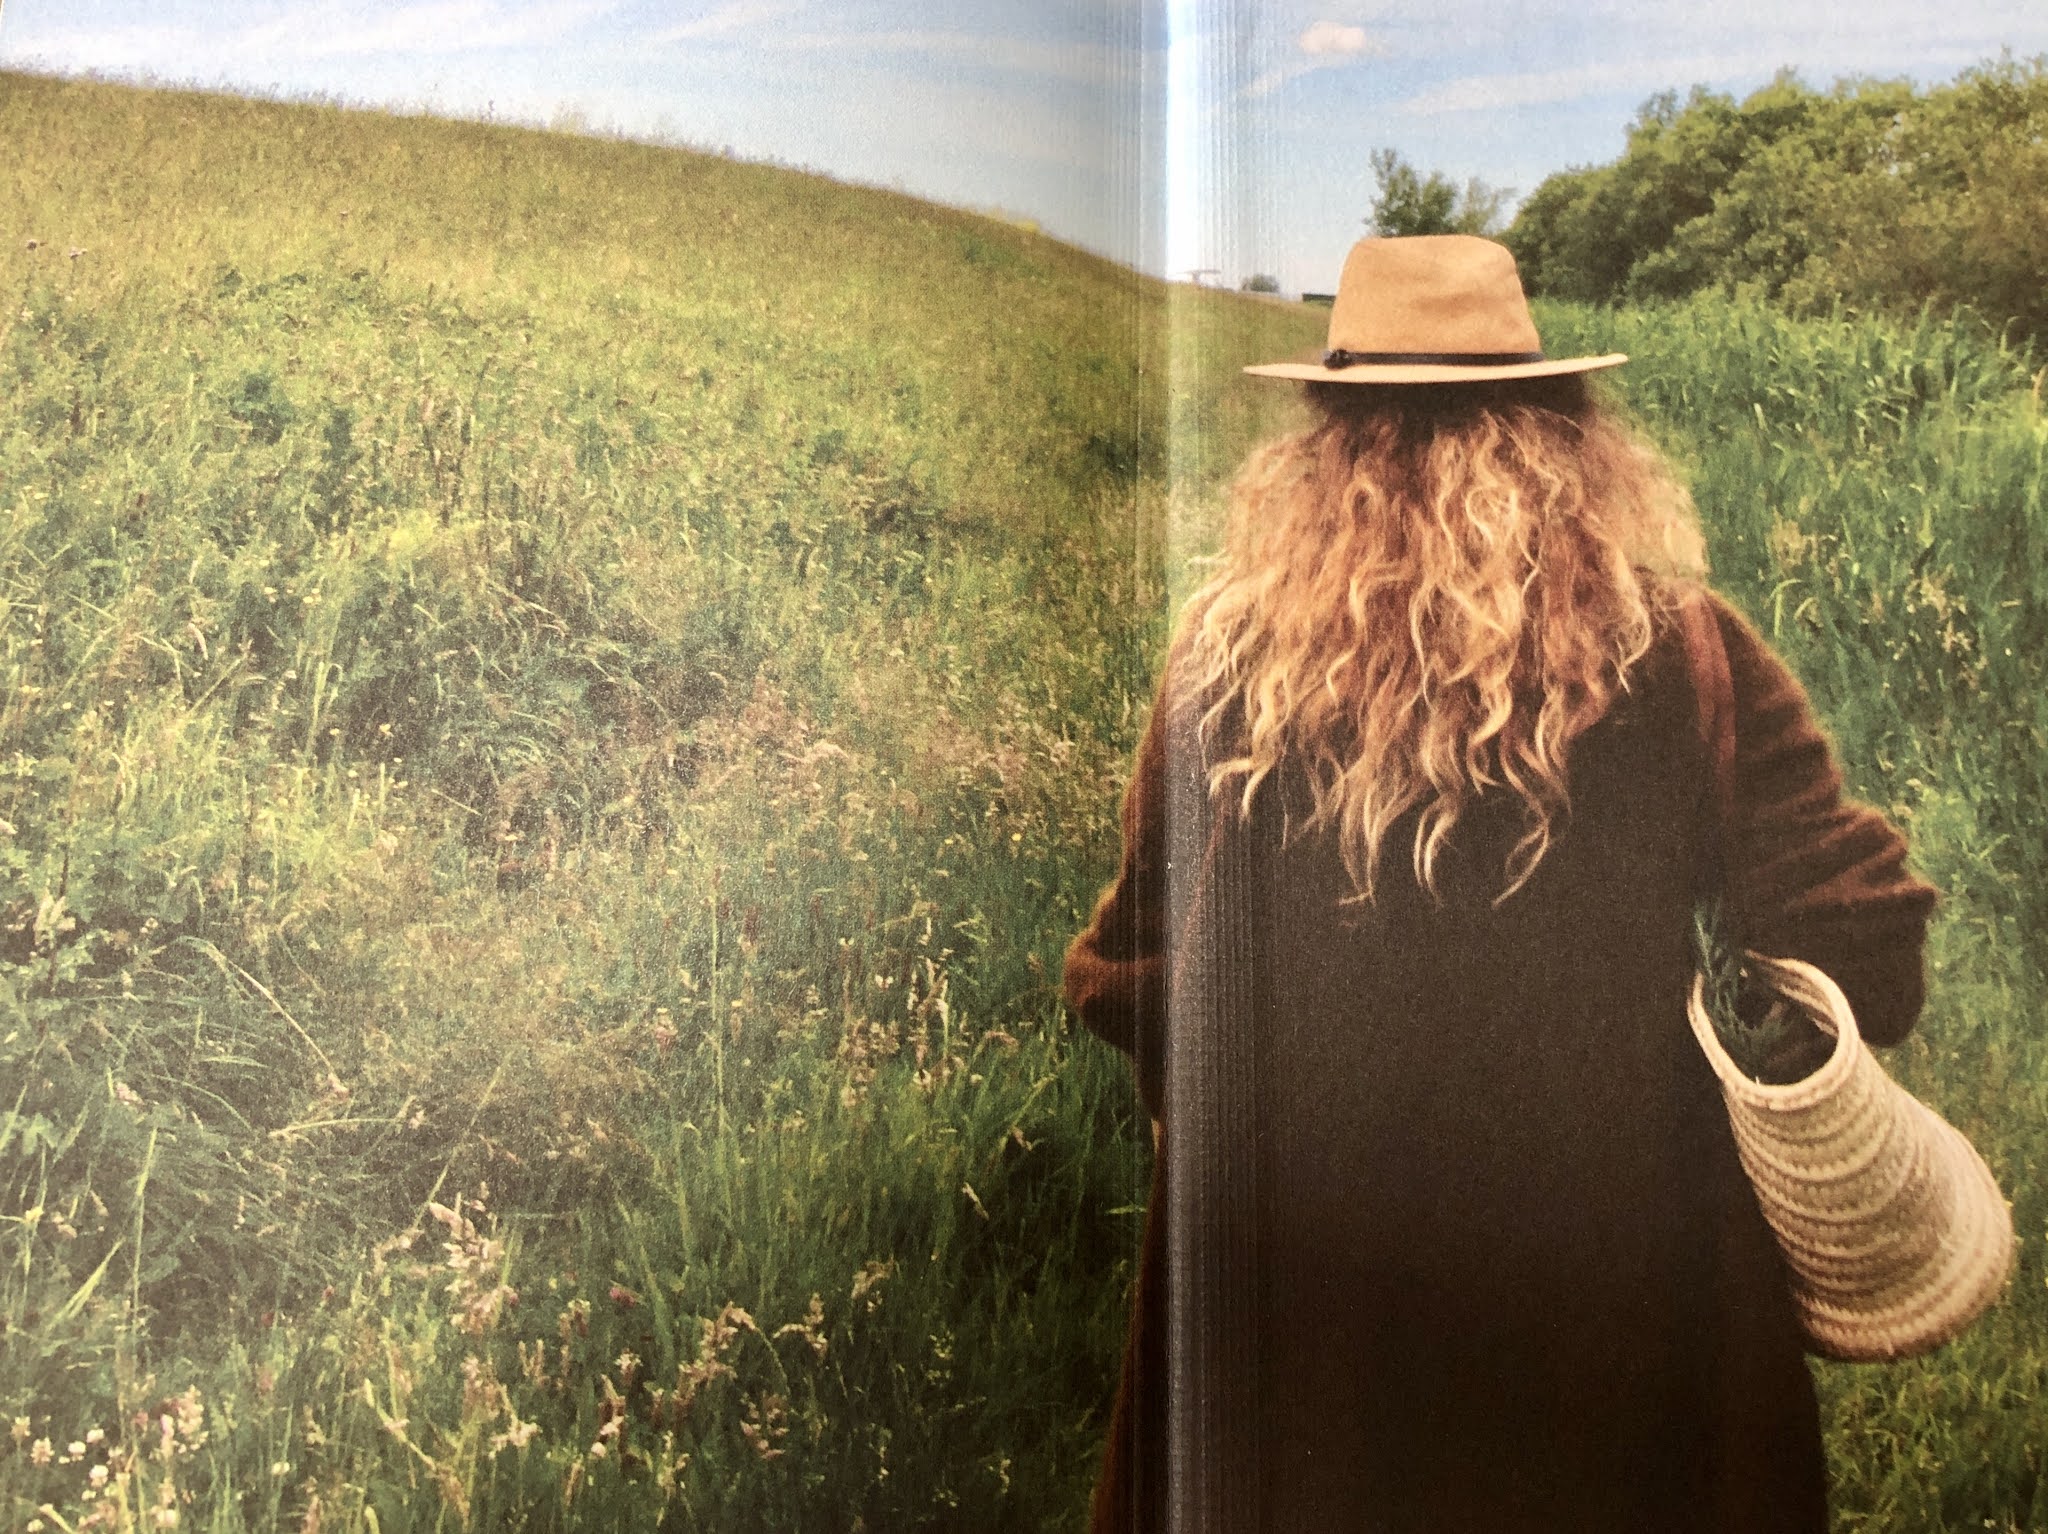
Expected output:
(580, 684)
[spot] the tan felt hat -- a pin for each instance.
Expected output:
(1431, 308)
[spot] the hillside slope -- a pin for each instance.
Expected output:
(588, 671)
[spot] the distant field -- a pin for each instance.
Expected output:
(562, 700)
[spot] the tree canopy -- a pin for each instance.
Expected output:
(1870, 193)
(1410, 203)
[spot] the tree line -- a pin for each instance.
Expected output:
(1870, 193)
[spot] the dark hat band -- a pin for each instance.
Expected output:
(1338, 358)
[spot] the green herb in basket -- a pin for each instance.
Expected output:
(1769, 1039)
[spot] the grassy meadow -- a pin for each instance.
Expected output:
(561, 702)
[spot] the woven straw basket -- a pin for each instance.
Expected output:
(1896, 1236)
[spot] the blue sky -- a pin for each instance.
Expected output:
(1229, 134)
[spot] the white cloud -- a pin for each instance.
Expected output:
(1271, 80)
(304, 33)
(1322, 45)
(727, 20)
(430, 26)
(1325, 38)
(1484, 92)
(110, 50)
(1664, 71)
(1086, 63)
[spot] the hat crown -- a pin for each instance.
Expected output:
(1434, 294)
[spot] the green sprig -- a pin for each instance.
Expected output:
(1770, 1039)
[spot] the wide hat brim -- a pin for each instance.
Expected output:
(1431, 309)
(1433, 372)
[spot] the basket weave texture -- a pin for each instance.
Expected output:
(1893, 1228)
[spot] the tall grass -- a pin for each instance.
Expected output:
(563, 701)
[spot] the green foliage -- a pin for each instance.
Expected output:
(519, 674)
(1869, 193)
(1409, 203)
(1261, 282)
(1767, 1038)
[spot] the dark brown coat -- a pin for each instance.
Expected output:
(1509, 1272)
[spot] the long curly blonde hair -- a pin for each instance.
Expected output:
(1430, 593)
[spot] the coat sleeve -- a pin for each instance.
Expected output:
(1810, 873)
(1116, 970)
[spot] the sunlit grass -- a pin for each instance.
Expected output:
(579, 671)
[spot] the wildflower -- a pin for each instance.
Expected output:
(39, 1453)
(670, 1475)
(20, 1430)
(766, 1425)
(611, 1413)
(167, 1517)
(474, 1258)
(74, 1450)
(869, 1279)
(94, 1435)
(628, 1364)
(281, 1467)
(191, 1414)
(599, 1449)
(480, 1387)
(97, 1476)
(454, 1493)
(127, 1097)
(811, 1329)
(516, 1436)
(720, 1331)
(623, 1297)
